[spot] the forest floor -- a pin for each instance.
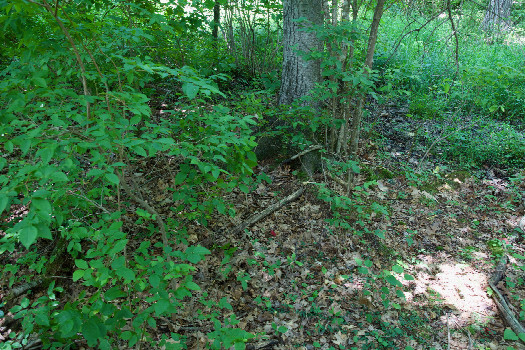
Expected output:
(299, 282)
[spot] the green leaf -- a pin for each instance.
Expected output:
(8, 146)
(46, 154)
(40, 82)
(190, 90)
(224, 304)
(393, 281)
(112, 178)
(161, 306)
(180, 177)
(140, 151)
(196, 253)
(118, 263)
(59, 176)
(93, 330)
(78, 274)
(4, 201)
(25, 145)
(126, 273)
(510, 335)
(409, 277)
(42, 319)
(28, 235)
(397, 269)
(95, 172)
(42, 205)
(118, 247)
(192, 285)
(154, 280)
(244, 188)
(81, 264)
(114, 293)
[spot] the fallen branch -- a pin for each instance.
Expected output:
(502, 305)
(300, 154)
(276, 206)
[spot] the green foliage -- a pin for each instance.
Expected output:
(490, 81)
(485, 142)
(68, 151)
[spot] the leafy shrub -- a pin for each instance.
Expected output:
(486, 142)
(71, 159)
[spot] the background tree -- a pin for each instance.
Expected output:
(497, 16)
(300, 74)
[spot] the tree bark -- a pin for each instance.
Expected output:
(300, 73)
(355, 128)
(216, 21)
(497, 17)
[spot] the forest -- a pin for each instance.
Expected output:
(262, 174)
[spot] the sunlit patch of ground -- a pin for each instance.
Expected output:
(457, 286)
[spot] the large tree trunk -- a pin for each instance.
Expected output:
(300, 74)
(497, 17)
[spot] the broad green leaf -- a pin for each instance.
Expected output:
(118, 247)
(46, 154)
(42, 205)
(190, 90)
(42, 319)
(78, 274)
(154, 280)
(161, 306)
(397, 269)
(25, 145)
(393, 281)
(40, 82)
(112, 178)
(95, 172)
(114, 293)
(44, 231)
(409, 277)
(8, 146)
(28, 235)
(509, 335)
(93, 330)
(4, 201)
(126, 273)
(59, 176)
(81, 264)
(196, 253)
(140, 151)
(118, 263)
(192, 285)
(180, 177)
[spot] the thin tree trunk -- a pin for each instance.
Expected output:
(216, 21)
(355, 129)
